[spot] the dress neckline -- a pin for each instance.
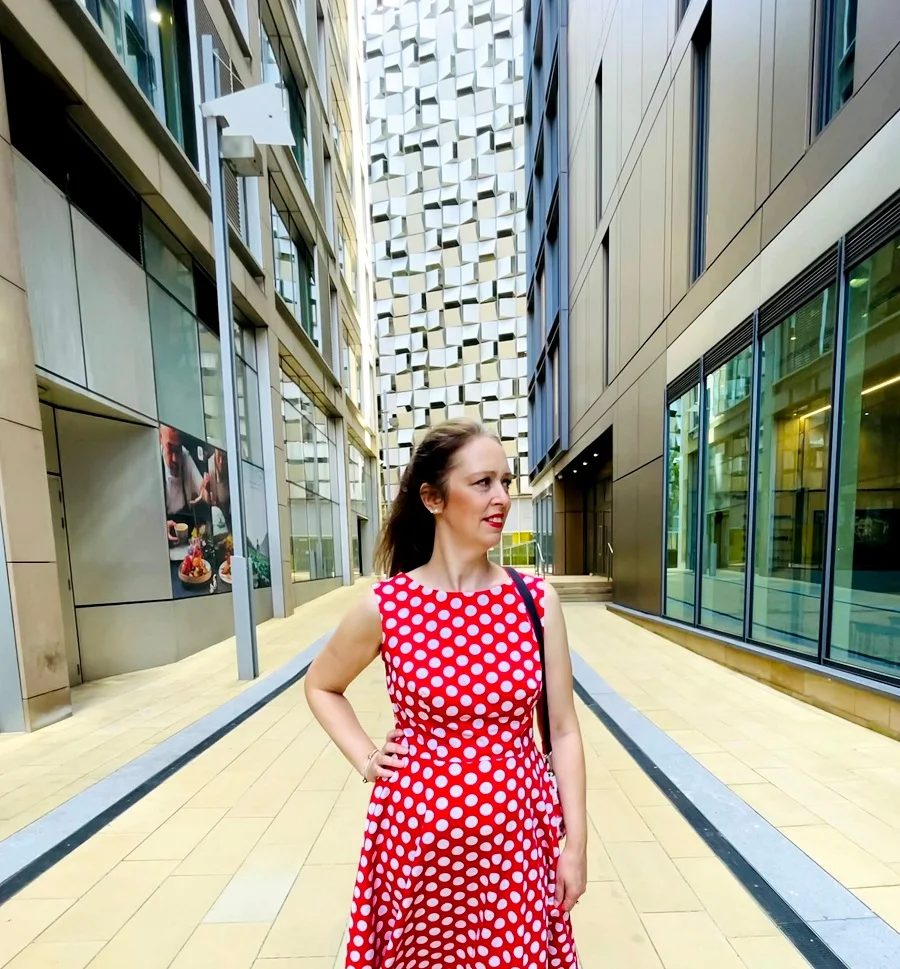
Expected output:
(428, 590)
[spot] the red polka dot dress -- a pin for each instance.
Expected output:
(458, 865)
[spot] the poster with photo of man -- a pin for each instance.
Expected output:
(198, 514)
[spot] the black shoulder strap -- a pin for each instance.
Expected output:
(530, 605)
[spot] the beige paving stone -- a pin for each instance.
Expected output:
(694, 742)
(638, 788)
(224, 849)
(340, 840)
(774, 805)
(222, 947)
(609, 933)
(615, 818)
(871, 834)
(302, 818)
(23, 919)
(178, 836)
(260, 886)
(329, 772)
(152, 937)
(652, 881)
(754, 755)
(599, 866)
(843, 859)
(675, 835)
(55, 955)
(728, 768)
(769, 952)
(314, 915)
(100, 913)
(727, 902)
(78, 872)
(884, 902)
(690, 940)
(294, 964)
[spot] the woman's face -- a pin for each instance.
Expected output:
(476, 502)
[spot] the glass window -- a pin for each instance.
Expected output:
(329, 551)
(701, 145)
(168, 262)
(300, 558)
(837, 53)
(681, 504)
(286, 259)
(213, 389)
(176, 102)
(293, 443)
(176, 363)
(725, 498)
(794, 427)
(248, 413)
(866, 610)
(308, 296)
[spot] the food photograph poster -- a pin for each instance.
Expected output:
(198, 516)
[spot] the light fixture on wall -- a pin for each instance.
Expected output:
(155, 16)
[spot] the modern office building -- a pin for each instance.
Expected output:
(446, 135)
(114, 477)
(714, 312)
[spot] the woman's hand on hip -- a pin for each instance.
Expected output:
(571, 878)
(385, 763)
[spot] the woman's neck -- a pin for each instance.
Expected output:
(456, 570)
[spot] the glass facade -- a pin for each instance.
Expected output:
(726, 492)
(837, 56)
(295, 277)
(152, 40)
(311, 457)
(783, 467)
(797, 360)
(543, 523)
(681, 526)
(276, 70)
(866, 607)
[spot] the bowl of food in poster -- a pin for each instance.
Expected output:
(194, 570)
(225, 571)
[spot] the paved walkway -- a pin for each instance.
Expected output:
(119, 718)
(831, 786)
(245, 858)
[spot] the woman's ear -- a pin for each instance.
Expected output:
(431, 499)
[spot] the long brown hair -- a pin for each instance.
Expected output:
(407, 538)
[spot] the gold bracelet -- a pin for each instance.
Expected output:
(365, 770)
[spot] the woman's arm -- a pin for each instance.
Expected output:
(350, 650)
(568, 752)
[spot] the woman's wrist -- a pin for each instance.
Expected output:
(366, 767)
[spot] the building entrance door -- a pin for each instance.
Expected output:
(64, 577)
(598, 528)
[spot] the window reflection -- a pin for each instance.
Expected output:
(681, 504)
(726, 491)
(795, 423)
(866, 610)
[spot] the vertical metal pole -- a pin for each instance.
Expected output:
(750, 541)
(242, 582)
(834, 453)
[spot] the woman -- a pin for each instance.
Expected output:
(461, 864)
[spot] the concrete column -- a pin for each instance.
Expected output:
(31, 628)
